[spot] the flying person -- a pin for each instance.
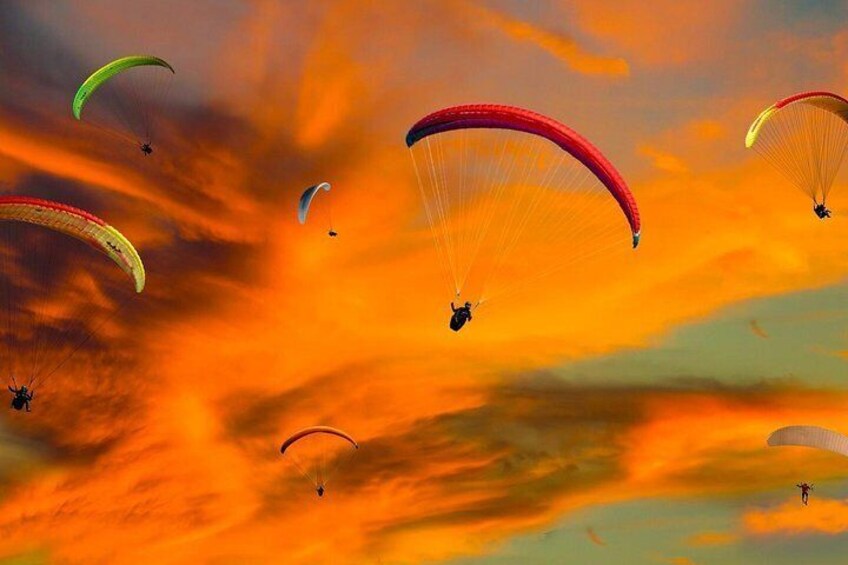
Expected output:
(460, 316)
(821, 211)
(320, 490)
(146, 149)
(805, 492)
(332, 233)
(22, 397)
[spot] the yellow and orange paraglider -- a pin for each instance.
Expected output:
(55, 296)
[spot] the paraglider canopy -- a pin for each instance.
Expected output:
(810, 436)
(306, 200)
(495, 116)
(317, 430)
(827, 101)
(79, 224)
(107, 71)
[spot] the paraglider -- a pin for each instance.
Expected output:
(813, 437)
(55, 299)
(805, 137)
(135, 83)
(317, 452)
(511, 196)
(306, 201)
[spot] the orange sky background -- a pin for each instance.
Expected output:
(252, 326)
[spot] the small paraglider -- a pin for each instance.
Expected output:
(306, 201)
(805, 137)
(318, 452)
(460, 316)
(134, 86)
(21, 397)
(805, 492)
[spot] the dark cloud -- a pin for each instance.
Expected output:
(249, 415)
(533, 442)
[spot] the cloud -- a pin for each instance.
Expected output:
(662, 160)
(637, 31)
(825, 516)
(252, 327)
(564, 48)
(680, 561)
(709, 539)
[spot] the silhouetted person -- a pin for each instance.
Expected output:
(821, 211)
(146, 149)
(805, 492)
(21, 398)
(460, 316)
(320, 490)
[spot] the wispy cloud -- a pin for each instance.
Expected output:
(565, 48)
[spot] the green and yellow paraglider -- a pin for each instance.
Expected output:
(131, 104)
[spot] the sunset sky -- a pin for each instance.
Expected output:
(619, 416)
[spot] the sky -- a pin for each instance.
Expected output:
(616, 416)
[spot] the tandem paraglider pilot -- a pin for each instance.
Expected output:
(821, 211)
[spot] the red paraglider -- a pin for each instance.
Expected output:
(511, 196)
(495, 116)
(317, 452)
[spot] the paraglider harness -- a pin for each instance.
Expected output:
(146, 149)
(22, 397)
(821, 211)
(460, 316)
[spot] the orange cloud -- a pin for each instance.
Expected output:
(680, 561)
(655, 37)
(708, 129)
(790, 518)
(663, 161)
(708, 539)
(560, 46)
(256, 326)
